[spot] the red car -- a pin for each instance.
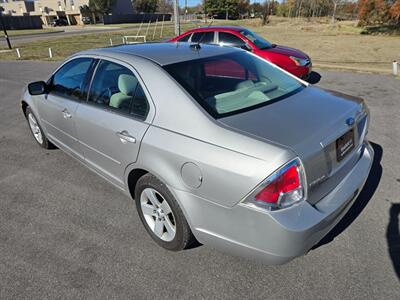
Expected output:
(292, 60)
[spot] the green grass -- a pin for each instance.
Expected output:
(12, 33)
(65, 46)
(124, 25)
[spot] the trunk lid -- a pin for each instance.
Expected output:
(309, 123)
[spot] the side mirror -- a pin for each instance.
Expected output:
(245, 47)
(37, 88)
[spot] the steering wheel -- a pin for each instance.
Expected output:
(104, 96)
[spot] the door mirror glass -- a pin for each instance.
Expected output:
(37, 88)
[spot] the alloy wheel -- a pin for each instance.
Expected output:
(158, 214)
(33, 124)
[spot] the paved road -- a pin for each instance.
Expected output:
(66, 233)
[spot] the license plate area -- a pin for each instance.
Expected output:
(344, 145)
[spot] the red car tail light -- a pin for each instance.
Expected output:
(285, 183)
(283, 188)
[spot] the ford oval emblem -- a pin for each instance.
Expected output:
(350, 121)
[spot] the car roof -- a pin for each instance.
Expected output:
(163, 53)
(217, 28)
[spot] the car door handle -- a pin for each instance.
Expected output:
(66, 114)
(125, 137)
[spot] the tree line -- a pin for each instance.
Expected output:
(367, 11)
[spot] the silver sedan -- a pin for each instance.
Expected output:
(216, 145)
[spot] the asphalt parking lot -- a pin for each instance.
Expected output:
(66, 233)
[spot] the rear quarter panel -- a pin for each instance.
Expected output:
(226, 176)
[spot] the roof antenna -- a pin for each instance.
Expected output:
(196, 46)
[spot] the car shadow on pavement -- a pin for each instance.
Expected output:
(314, 77)
(362, 200)
(393, 237)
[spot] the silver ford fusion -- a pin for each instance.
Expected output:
(215, 144)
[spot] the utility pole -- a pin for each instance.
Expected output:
(335, 3)
(185, 10)
(176, 18)
(5, 30)
(205, 13)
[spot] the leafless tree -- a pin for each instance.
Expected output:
(335, 5)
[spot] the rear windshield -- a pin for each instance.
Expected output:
(233, 83)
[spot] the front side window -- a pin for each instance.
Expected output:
(69, 80)
(232, 83)
(203, 37)
(115, 87)
(228, 39)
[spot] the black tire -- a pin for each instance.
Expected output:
(46, 144)
(184, 237)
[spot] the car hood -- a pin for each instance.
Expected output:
(287, 51)
(309, 123)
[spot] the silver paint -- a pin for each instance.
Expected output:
(233, 154)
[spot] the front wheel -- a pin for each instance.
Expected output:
(37, 131)
(161, 215)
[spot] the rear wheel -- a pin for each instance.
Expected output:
(161, 214)
(37, 131)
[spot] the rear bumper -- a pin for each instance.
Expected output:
(279, 236)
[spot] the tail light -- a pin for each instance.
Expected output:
(283, 188)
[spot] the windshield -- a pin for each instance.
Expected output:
(233, 83)
(256, 39)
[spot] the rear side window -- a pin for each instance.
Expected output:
(139, 107)
(203, 37)
(115, 87)
(228, 39)
(185, 38)
(69, 80)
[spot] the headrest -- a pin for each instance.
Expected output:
(127, 84)
(245, 84)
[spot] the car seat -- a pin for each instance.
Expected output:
(127, 86)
